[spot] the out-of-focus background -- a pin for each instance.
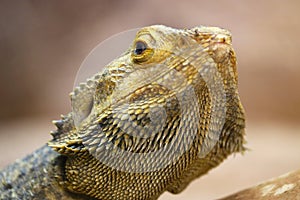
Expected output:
(43, 43)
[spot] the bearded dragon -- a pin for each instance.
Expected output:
(162, 114)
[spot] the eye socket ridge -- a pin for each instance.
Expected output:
(140, 47)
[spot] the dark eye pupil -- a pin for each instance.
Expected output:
(140, 47)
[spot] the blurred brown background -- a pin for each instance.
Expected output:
(42, 44)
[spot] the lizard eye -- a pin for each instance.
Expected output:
(140, 47)
(141, 52)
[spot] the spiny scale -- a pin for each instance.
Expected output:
(58, 123)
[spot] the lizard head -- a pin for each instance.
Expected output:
(150, 53)
(148, 116)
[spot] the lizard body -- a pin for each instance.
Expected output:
(162, 114)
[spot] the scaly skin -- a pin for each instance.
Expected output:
(162, 114)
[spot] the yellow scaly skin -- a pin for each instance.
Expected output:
(173, 89)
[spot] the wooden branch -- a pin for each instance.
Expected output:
(283, 187)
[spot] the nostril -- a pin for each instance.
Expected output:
(223, 39)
